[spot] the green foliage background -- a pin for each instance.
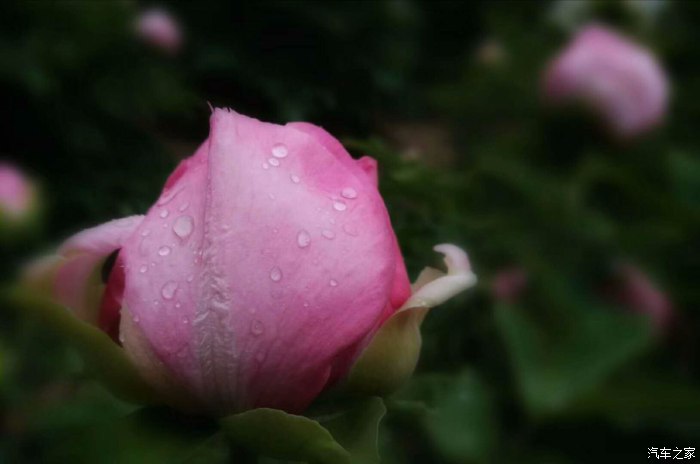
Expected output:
(468, 154)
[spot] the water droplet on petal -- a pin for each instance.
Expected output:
(333, 283)
(183, 226)
(185, 320)
(265, 166)
(184, 206)
(339, 205)
(349, 192)
(164, 213)
(136, 319)
(303, 239)
(143, 269)
(257, 327)
(274, 161)
(329, 234)
(295, 179)
(280, 151)
(169, 289)
(276, 274)
(190, 278)
(164, 251)
(145, 233)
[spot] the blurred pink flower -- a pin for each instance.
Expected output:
(634, 290)
(159, 29)
(508, 284)
(616, 77)
(16, 193)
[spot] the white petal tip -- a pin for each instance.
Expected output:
(459, 277)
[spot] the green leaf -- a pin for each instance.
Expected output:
(460, 419)
(105, 359)
(563, 345)
(277, 434)
(356, 428)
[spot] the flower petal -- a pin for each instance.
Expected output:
(72, 277)
(287, 243)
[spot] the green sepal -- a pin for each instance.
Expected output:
(277, 434)
(390, 359)
(105, 359)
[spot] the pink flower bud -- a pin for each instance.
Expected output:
(159, 29)
(16, 194)
(617, 78)
(259, 276)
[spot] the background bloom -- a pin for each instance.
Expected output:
(616, 77)
(158, 28)
(16, 193)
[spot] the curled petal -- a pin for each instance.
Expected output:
(392, 355)
(459, 277)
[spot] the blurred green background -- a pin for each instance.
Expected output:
(446, 95)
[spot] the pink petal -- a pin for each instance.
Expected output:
(82, 254)
(278, 282)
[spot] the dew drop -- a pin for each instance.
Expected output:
(183, 226)
(136, 319)
(295, 179)
(169, 289)
(265, 166)
(164, 213)
(257, 327)
(333, 283)
(303, 239)
(185, 320)
(329, 234)
(280, 151)
(190, 278)
(145, 233)
(143, 269)
(274, 161)
(184, 206)
(164, 251)
(276, 274)
(339, 205)
(349, 192)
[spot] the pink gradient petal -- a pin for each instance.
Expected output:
(277, 283)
